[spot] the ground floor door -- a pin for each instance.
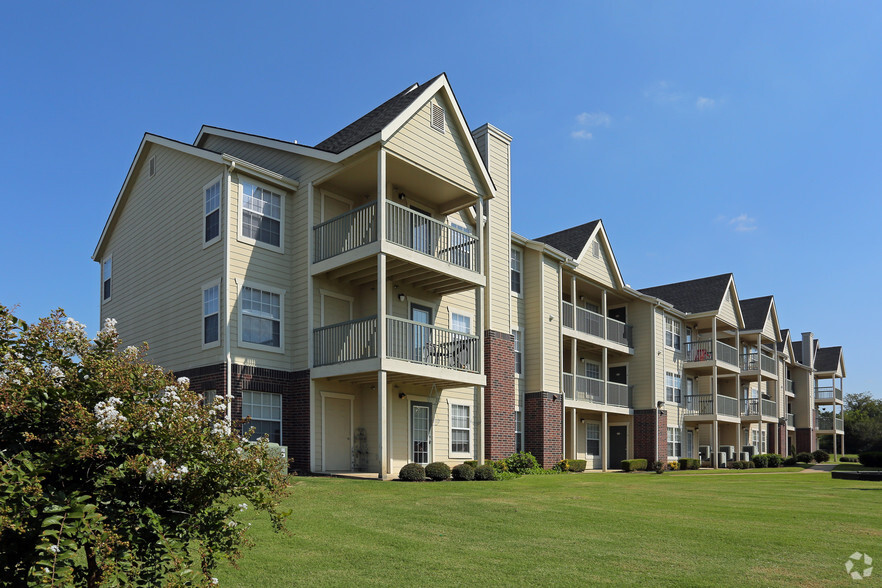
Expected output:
(618, 446)
(420, 432)
(337, 433)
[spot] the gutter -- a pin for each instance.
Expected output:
(228, 363)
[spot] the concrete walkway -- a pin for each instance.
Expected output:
(819, 468)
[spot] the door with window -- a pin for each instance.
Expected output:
(421, 336)
(420, 432)
(421, 231)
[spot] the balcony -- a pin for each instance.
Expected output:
(754, 362)
(705, 354)
(828, 394)
(584, 389)
(826, 422)
(703, 404)
(788, 386)
(759, 407)
(592, 323)
(408, 341)
(791, 421)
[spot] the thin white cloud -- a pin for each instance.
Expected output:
(704, 103)
(743, 223)
(582, 134)
(663, 91)
(594, 119)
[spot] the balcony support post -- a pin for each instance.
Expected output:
(738, 443)
(759, 386)
(573, 428)
(604, 365)
(574, 350)
(479, 442)
(310, 315)
(573, 296)
(714, 368)
(715, 458)
(381, 195)
(603, 326)
(604, 439)
(382, 449)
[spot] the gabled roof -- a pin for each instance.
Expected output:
(693, 296)
(785, 335)
(828, 359)
(755, 312)
(797, 351)
(374, 121)
(571, 241)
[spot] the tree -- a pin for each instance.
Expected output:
(111, 471)
(863, 423)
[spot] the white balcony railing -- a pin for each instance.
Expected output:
(346, 232)
(827, 421)
(753, 406)
(788, 385)
(827, 393)
(704, 404)
(618, 394)
(791, 422)
(342, 342)
(586, 321)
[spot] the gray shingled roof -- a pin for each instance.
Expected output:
(754, 311)
(701, 295)
(797, 350)
(570, 241)
(374, 121)
(783, 342)
(827, 359)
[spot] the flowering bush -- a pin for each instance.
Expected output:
(112, 472)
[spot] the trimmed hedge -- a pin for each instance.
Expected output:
(775, 460)
(761, 460)
(438, 471)
(632, 465)
(739, 464)
(463, 472)
(689, 463)
(790, 461)
(472, 462)
(821, 456)
(412, 472)
(485, 472)
(871, 459)
(521, 463)
(576, 465)
(847, 459)
(804, 457)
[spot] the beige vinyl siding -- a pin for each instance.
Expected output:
(598, 269)
(498, 260)
(769, 328)
(640, 366)
(551, 335)
(535, 328)
(445, 154)
(727, 310)
(288, 164)
(159, 264)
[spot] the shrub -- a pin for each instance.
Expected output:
(673, 465)
(576, 465)
(804, 457)
(775, 460)
(760, 460)
(750, 465)
(632, 465)
(689, 463)
(871, 458)
(848, 459)
(821, 456)
(521, 463)
(472, 462)
(790, 461)
(463, 472)
(438, 471)
(485, 472)
(658, 466)
(561, 466)
(412, 472)
(499, 466)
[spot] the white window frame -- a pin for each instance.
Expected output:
(218, 181)
(246, 426)
(517, 342)
(676, 342)
(519, 253)
(452, 311)
(675, 442)
(151, 166)
(205, 288)
(588, 427)
(471, 430)
(272, 189)
(208, 398)
(674, 383)
(434, 111)
(519, 431)
(107, 278)
(594, 363)
(281, 294)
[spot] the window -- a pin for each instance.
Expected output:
(105, 278)
(516, 257)
(461, 246)
(519, 432)
(758, 440)
(518, 352)
(592, 370)
(674, 442)
(672, 387)
(672, 333)
(212, 211)
(590, 306)
(208, 398)
(460, 428)
(265, 410)
(261, 317)
(461, 323)
(261, 215)
(592, 439)
(437, 117)
(211, 314)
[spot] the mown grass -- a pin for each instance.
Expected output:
(753, 529)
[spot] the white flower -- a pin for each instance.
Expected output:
(54, 548)
(183, 470)
(75, 328)
(28, 371)
(183, 381)
(131, 350)
(108, 415)
(240, 451)
(232, 524)
(109, 326)
(156, 468)
(214, 580)
(55, 373)
(243, 506)
(221, 428)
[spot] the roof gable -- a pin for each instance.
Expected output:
(829, 360)
(578, 243)
(698, 296)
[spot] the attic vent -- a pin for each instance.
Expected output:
(595, 249)
(151, 166)
(728, 296)
(437, 117)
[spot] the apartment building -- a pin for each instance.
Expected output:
(364, 303)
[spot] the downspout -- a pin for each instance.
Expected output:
(228, 376)
(659, 403)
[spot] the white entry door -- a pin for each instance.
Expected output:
(420, 432)
(337, 434)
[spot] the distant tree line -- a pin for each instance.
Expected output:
(863, 423)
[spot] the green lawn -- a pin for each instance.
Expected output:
(753, 529)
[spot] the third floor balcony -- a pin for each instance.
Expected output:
(828, 395)
(703, 355)
(754, 363)
(596, 326)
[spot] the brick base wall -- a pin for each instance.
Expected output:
(805, 440)
(543, 427)
(292, 386)
(645, 437)
(499, 395)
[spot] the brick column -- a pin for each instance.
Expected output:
(543, 427)
(805, 440)
(645, 435)
(499, 395)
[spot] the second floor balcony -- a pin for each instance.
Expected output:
(706, 353)
(791, 421)
(595, 324)
(596, 391)
(827, 422)
(828, 394)
(754, 362)
(788, 386)
(703, 404)
(759, 407)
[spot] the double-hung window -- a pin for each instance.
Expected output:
(674, 442)
(460, 246)
(460, 429)
(212, 211)
(461, 323)
(261, 215)
(519, 432)
(516, 265)
(210, 314)
(261, 317)
(592, 439)
(106, 268)
(518, 342)
(265, 410)
(672, 387)
(592, 370)
(672, 333)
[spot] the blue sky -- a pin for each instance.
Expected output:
(710, 137)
